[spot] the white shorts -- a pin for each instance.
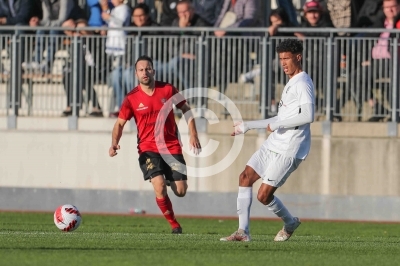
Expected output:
(273, 167)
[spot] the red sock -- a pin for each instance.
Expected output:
(165, 206)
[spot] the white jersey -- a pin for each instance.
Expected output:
(293, 142)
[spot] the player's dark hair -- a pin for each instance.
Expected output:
(144, 58)
(293, 46)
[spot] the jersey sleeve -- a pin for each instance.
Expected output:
(126, 111)
(178, 98)
(305, 93)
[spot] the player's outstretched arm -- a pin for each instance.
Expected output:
(116, 136)
(306, 116)
(194, 142)
(242, 127)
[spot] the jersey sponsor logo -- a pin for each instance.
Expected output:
(141, 107)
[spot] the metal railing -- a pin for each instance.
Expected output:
(80, 75)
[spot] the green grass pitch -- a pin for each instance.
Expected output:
(33, 239)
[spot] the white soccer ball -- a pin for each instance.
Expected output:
(67, 218)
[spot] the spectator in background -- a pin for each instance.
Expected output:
(168, 14)
(343, 13)
(118, 17)
(185, 60)
(94, 11)
(287, 5)
(84, 69)
(55, 13)
(14, 13)
(371, 13)
(17, 12)
(379, 66)
(278, 19)
(315, 17)
(208, 10)
(237, 14)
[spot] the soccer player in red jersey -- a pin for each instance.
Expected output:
(160, 152)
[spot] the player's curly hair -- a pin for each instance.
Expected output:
(293, 46)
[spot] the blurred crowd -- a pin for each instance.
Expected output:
(222, 14)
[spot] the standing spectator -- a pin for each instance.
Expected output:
(343, 13)
(160, 153)
(84, 70)
(119, 17)
(208, 10)
(285, 149)
(94, 11)
(381, 60)
(16, 12)
(55, 13)
(186, 18)
(288, 6)
(238, 14)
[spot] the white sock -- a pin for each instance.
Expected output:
(277, 207)
(244, 199)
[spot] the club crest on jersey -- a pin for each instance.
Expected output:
(163, 100)
(149, 164)
(141, 107)
(287, 89)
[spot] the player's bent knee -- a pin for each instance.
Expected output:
(245, 180)
(180, 189)
(263, 198)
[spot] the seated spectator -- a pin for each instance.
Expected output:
(186, 18)
(277, 19)
(118, 17)
(85, 69)
(140, 18)
(55, 13)
(315, 17)
(237, 14)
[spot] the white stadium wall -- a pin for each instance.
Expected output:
(346, 178)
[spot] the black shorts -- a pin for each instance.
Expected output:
(152, 164)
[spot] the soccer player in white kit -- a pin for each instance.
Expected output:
(286, 147)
